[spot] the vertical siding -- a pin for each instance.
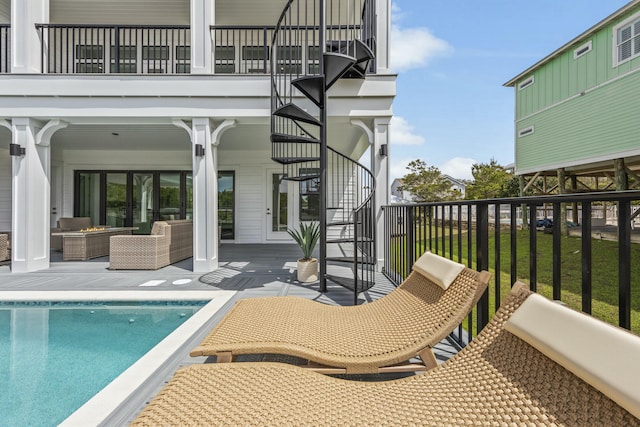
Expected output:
(5, 190)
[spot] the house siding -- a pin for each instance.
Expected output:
(5, 11)
(132, 12)
(582, 109)
(601, 124)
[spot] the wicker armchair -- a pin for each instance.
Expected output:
(4, 247)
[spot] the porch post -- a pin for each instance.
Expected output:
(378, 137)
(202, 17)
(30, 201)
(25, 44)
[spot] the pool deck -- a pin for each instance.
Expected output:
(253, 270)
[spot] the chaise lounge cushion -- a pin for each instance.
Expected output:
(560, 334)
(441, 271)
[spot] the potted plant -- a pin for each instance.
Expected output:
(307, 238)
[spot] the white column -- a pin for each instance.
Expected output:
(202, 17)
(383, 37)
(25, 43)
(380, 168)
(30, 202)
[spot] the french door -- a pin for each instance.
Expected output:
(279, 209)
(133, 199)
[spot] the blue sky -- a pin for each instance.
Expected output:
(452, 58)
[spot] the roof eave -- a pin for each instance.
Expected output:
(597, 27)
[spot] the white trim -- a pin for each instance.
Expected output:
(583, 49)
(526, 83)
(525, 132)
(631, 20)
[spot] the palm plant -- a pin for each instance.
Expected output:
(307, 238)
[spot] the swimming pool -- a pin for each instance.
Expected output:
(56, 355)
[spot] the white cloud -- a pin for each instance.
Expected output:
(413, 47)
(398, 168)
(403, 133)
(458, 167)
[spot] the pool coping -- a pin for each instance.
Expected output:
(98, 409)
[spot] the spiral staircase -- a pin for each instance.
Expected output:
(315, 44)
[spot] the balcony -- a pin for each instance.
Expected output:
(115, 49)
(578, 248)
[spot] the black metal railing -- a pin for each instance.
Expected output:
(246, 49)
(5, 48)
(516, 239)
(115, 49)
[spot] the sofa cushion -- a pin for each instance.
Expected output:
(440, 270)
(602, 355)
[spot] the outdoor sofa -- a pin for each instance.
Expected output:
(536, 363)
(369, 338)
(169, 242)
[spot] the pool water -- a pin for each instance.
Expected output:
(56, 356)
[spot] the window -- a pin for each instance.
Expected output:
(313, 58)
(583, 50)
(526, 83)
(155, 53)
(226, 203)
(89, 59)
(526, 131)
(626, 40)
(310, 195)
(225, 57)
(183, 59)
(255, 53)
(126, 57)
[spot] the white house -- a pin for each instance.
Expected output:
(130, 112)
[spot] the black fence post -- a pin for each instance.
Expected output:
(624, 264)
(482, 258)
(411, 237)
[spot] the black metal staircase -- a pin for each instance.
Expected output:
(336, 38)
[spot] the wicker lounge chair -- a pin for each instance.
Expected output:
(498, 379)
(368, 338)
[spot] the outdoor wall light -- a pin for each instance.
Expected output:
(199, 150)
(16, 150)
(383, 150)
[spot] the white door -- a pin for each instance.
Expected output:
(279, 210)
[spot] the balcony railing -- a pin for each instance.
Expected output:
(5, 48)
(582, 249)
(116, 49)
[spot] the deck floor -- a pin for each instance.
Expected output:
(254, 270)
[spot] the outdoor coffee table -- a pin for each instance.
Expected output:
(84, 245)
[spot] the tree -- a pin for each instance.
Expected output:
(427, 184)
(490, 180)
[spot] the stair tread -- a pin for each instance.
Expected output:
(293, 112)
(284, 137)
(361, 260)
(349, 240)
(292, 160)
(300, 178)
(336, 64)
(312, 87)
(349, 282)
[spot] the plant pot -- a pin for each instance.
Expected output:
(307, 270)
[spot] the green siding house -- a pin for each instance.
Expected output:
(577, 111)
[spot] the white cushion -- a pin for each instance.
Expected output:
(602, 355)
(441, 271)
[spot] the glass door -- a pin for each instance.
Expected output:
(226, 205)
(142, 202)
(116, 199)
(279, 208)
(169, 196)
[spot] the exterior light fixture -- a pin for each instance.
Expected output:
(199, 150)
(383, 150)
(16, 150)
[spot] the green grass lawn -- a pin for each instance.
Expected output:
(604, 271)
